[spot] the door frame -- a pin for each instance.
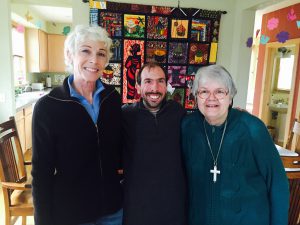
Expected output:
(267, 83)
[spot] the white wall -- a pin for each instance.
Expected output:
(7, 100)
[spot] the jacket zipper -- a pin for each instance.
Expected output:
(96, 126)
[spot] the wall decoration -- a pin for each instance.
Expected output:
(291, 15)
(132, 62)
(190, 102)
(298, 24)
(198, 53)
(200, 30)
(180, 39)
(112, 22)
(176, 76)
(282, 37)
(20, 28)
(264, 39)
(112, 74)
(66, 30)
(177, 95)
(177, 52)
(157, 27)
(213, 53)
(134, 26)
(156, 51)
(116, 50)
(179, 28)
(28, 16)
(273, 23)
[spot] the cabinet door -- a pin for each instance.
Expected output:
(36, 50)
(43, 51)
(20, 122)
(56, 52)
(28, 127)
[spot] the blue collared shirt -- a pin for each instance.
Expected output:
(94, 108)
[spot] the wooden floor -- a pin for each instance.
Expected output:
(16, 220)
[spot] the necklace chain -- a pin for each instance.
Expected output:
(215, 159)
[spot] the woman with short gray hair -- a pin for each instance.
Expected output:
(234, 172)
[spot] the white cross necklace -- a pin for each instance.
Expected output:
(215, 171)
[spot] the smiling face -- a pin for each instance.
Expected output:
(153, 87)
(214, 110)
(89, 61)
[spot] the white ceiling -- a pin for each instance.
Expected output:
(53, 13)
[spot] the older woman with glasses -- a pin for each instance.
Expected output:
(235, 175)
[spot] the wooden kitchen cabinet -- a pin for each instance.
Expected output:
(56, 53)
(36, 50)
(23, 121)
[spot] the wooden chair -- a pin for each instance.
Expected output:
(294, 134)
(15, 187)
(291, 164)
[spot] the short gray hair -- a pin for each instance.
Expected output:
(83, 33)
(214, 72)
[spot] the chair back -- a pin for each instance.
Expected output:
(292, 167)
(16, 191)
(294, 210)
(12, 168)
(294, 134)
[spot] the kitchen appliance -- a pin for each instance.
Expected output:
(37, 86)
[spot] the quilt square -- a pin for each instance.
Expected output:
(134, 26)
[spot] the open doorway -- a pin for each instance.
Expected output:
(278, 88)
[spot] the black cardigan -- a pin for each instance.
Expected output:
(155, 186)
(75, 162)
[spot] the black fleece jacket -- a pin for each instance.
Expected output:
(155, 185)
(75, 162)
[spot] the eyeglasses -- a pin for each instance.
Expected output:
(218, 93)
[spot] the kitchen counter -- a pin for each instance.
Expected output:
(28, 98)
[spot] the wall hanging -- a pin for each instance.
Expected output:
(180, 39)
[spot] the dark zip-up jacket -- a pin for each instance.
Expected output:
(75, 162)
(154, 186)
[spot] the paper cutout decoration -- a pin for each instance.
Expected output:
(282, 37)
(177, 95)
(112, 22)
(28, 16)
(39, 24)
(264, 39)
(273, 23)
(66, 30)
(249, 42)
(134, 26)
(291, 15)
(257, 33)
(156, 51)
(179, 28)
(157, 27)
(132, 61)
(20, 28)
(213, 53)
(298, 24)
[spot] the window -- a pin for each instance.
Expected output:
(18, 51)
(285, 73)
